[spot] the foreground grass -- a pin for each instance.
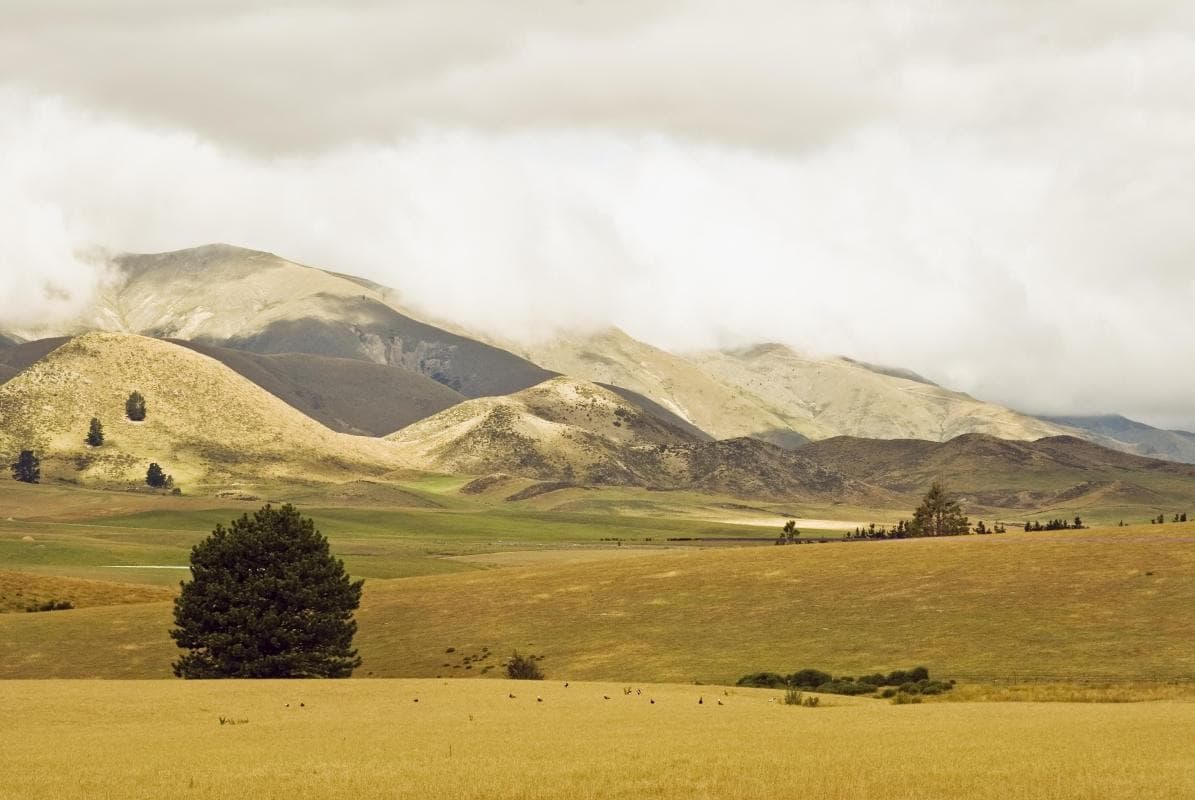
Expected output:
(468, 739)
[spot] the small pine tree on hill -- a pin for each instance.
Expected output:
(95, 434)
(266, 600)
(134, 407)
(27, 467)
(156, 477)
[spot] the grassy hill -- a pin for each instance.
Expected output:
(571, 431)
(612, 357)
(773, 393)
(562, 429)
(207, 426)
(826, 397)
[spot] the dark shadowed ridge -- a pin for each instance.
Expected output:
(16, 357)
(347, 395)
(340, 324)
(990, 471)
(891, 372)
(1121, 433)
(651, 407)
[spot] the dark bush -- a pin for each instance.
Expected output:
(918, 674)
(875, 680)
(888, 692)
(523, 668)
(910, 688)
(50, 605)
(809, 678)
(763, 680)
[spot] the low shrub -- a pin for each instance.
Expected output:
(523, 668)
(809, 678)
(763, 680)
(50, 605)
(902, 699)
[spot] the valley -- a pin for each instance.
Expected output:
(612, 508)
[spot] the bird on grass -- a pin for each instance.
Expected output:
(605, 697)
(511, 696)
(539, 699)
(700, 701)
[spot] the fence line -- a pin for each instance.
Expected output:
(1014, 678)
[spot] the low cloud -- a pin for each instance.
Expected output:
(995, 196)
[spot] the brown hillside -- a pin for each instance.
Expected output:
(1011, 474)
(566, 432)
(345, 394)
(561, 429)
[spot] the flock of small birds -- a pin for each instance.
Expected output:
(626, 691)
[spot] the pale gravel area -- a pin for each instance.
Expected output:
(777, 522)
(527, 558)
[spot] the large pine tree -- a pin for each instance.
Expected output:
(939, 515)
(266, 600)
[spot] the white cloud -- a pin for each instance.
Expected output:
(995, 195)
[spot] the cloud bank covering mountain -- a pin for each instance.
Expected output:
(992, 195)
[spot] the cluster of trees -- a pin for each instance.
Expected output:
(940, 514)
(1056, 525)
(913, 681)
(1160, 519)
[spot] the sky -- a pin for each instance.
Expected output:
(998, 195)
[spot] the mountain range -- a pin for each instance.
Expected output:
(258, 366)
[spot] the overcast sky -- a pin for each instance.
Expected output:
(1000, 196)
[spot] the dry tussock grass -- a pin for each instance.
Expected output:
(20, 589)
(470, 740)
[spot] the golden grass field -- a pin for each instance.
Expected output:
(1104, 614)
(1107, 603)
(468, 739)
